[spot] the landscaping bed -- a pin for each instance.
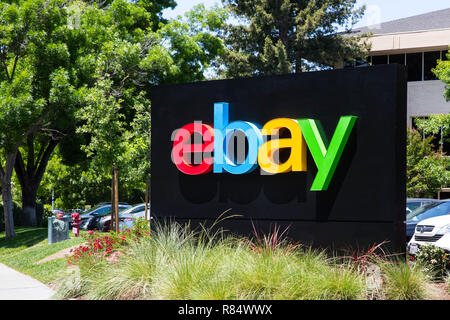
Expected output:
(173, 262)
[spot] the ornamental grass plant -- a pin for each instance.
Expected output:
(404, 281)
(176, 262)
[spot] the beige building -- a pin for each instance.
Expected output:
(418, 42)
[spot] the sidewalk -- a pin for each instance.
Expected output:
(17, 286)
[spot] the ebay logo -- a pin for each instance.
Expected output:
(240, 147)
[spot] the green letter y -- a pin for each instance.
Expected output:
(326, 157)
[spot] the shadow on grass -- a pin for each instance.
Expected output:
(25, 237)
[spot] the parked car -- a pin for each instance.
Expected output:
(414, 203)
(97, 210)
(105, 203)
(434, 231)
(430, 210)
(125, 217)
(126, 220)
(96, 222)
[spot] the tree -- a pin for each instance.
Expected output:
(54, 57)
(113, 125)
(155, 8)
(442, 71)
(90, 68)
(284, 36)
(24, 27)
(427, 170)
(64, 65)
(439, 124)
(116, 116)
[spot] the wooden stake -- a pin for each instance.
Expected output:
(116, 196)
(112, 201)
(146, 200)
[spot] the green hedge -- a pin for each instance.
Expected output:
(18, 216)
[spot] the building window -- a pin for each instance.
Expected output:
(397, 58)
(379, 60)
(414, 64)
(429, 62)
(419, 64)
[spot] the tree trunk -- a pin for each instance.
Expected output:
(30, 177)
(29, 205)
(147, 187)
(5, 181)
(298, 65)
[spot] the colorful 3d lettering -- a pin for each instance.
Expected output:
(182, 148)
(263, 143)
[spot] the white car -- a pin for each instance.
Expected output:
(433, 231)
(127, 219)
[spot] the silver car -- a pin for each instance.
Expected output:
(125, 217)
(99, 210)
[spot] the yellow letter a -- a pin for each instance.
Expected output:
(297, 158)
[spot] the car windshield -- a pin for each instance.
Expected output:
(413, 205)
(429, 211)
(130, 210)
(93, 209)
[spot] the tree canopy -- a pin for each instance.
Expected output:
(427, 170)
(284, 36)
(31, 88)
(112, 124)
(116, 116)
(79, 73)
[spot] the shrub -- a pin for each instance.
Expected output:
(46, 213)
(18, 215)
(141, 228)
(427, 170)
(434, 259)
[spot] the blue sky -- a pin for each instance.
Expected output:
(377, 10)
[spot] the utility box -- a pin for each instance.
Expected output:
(58, 229)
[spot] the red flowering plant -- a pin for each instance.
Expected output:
(108, 247)
(98, 247)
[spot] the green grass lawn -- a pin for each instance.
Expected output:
(30, 246)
